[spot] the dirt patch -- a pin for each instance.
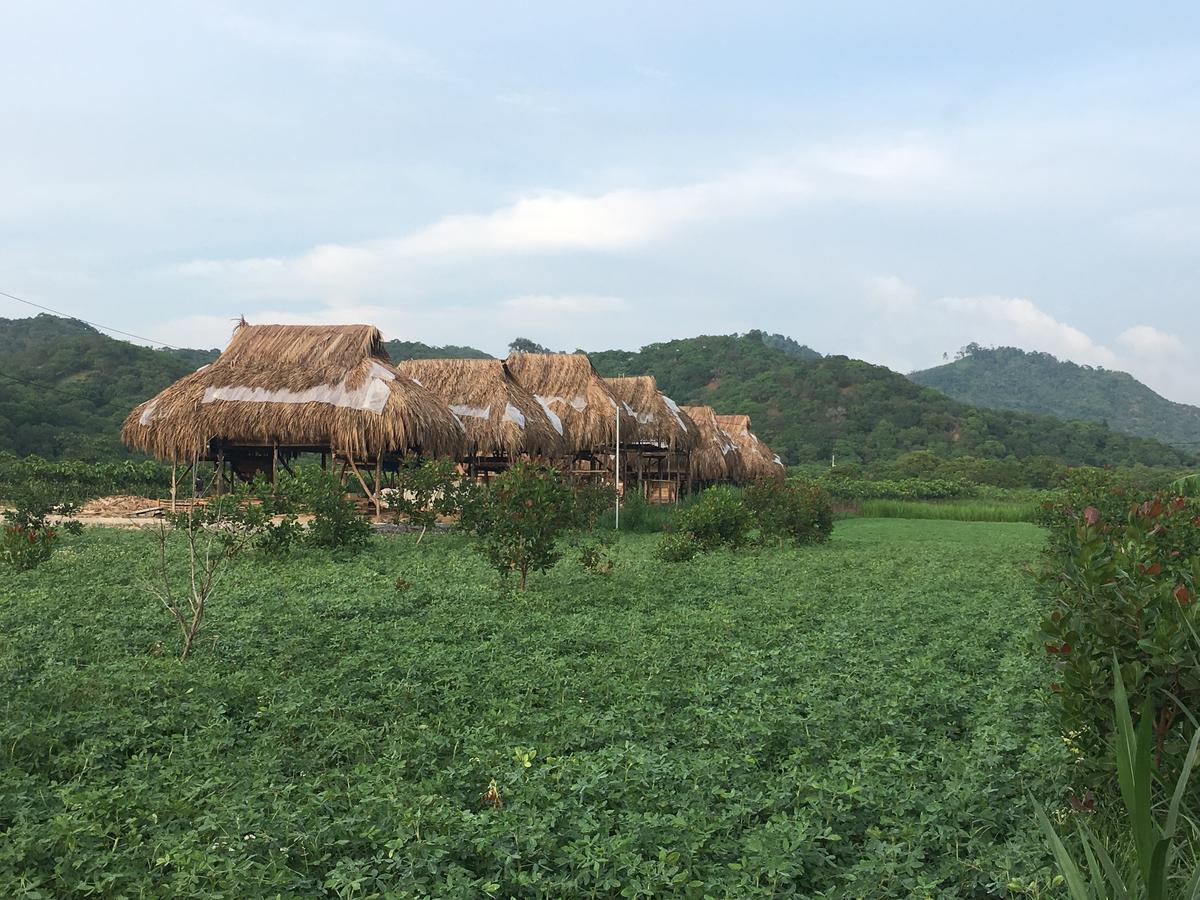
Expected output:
(119, 505)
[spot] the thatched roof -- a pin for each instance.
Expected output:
(296, 385)
(659, 419)
(715, 456)
(499, 414)
(569, 389)
(758, 460)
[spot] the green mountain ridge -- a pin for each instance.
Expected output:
(807, 409)
(1024, 381)
(65, 388)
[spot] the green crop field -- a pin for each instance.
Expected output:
(865, 719)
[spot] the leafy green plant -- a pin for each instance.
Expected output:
(796, 511)
(28, 537)
(678, 546)
(1155, 852)
(336, 521)
(426, 489)
(518, 518)
(1125, 588)
(718, 518)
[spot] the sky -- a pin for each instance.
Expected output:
(886, 181)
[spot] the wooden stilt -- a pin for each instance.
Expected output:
(274, 468)
(174, 483)
(361, 480)
(378, 486)
(220, 472)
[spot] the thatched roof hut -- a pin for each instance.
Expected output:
(758, 460)
(569, 389)
(660, 421)
(296, 386)
(501, 417)
(715, 456)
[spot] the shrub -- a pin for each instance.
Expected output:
(426, 489)
(336, 521)
(28, 537)
(1125, 588)
(799, 511)
(677, 546)
(718, 518)
(593, 504)
(518, 517)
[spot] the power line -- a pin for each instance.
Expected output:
(59, 312)
(45, 387)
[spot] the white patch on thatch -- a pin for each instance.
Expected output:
(674, 408)
(475, 412)
(417, 382)
(778, 461)
(371, 396)
(550, 414)
(147, 415)
(514, 415)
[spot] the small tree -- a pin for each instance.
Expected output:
(426, 489)
(517, 519)
(797, 511)
(212, 536)
(29, 537)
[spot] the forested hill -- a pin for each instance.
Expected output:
(805, 407)
(65, 388)
(1009, 378)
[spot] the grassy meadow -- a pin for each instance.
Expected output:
(865, 718)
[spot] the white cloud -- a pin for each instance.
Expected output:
(1146, 340)
(1014, 320)
(563, 222)
(891, 293)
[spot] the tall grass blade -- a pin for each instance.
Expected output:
(1180, 786)
(1070, 872)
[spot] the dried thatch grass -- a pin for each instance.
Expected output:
(501, 417)
(758, 460)
(715, 456)
(568, 387)
(660, 421)
(296, 386)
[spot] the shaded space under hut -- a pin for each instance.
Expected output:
(715, 457)
(661, 441)
(757, 459)
(568, 388)
(503, 420)
(281, 390)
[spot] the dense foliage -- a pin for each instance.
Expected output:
(1123, 585)
(401, 350)
(866, 720)
(809, 409)
(65, 388)
(1009, 378)
(75, 481)
(517, 519)
(799, 511)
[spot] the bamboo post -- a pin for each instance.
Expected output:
(378, 491)
(220, 472)
(174, 482)
(274, 469)
(361, 480)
